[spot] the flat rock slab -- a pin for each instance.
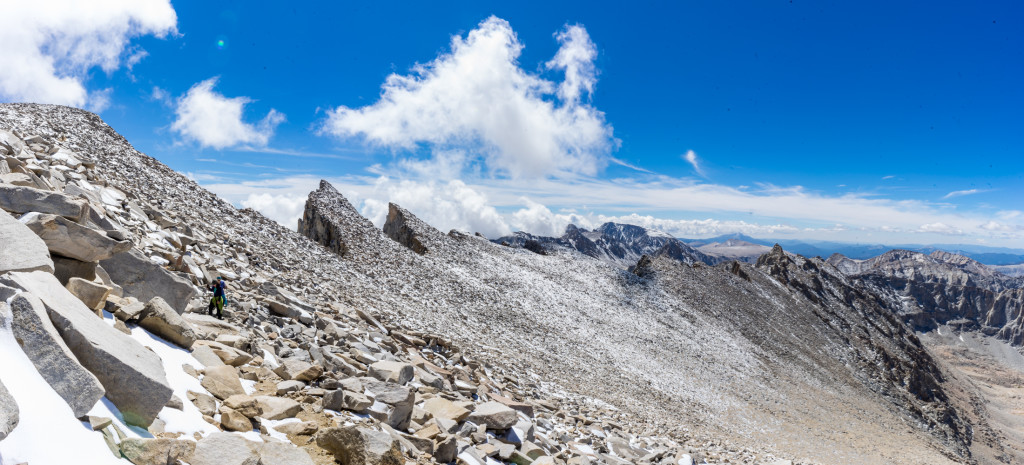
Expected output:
(69, 239)
(352, 445)
(222, 381)
(52, 358)
(395, 372)
(278, 408)
(22, 249)
(133, 376)
(20, 199)
(495, 415)
(225, 449)
(157, 451)
(159, 318)
(143, 279)
(281, 453)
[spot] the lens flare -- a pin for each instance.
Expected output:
(220, 43)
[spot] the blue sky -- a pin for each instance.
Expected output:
(849, 121)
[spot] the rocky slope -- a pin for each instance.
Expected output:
(410, 345)
(942, 288)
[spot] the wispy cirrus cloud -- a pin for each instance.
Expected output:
(962, 193)
(691, 157)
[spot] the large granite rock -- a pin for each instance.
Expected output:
(92, 294)
(160, 319)
(144, 280)
(157, 451)
(225, 449)
(20, 199)
(282, 453)
(278, 408)
(65, 268)
(222, 381)
(133, 376)
(8, 412)
(393, 404)
(52, 358)
(352, 445)
(67, 238)
(22, 249)
(493, 414)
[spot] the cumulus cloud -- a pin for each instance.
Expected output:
(213, 120)
(446, 206)
(283, 208)
(691, 158)
(478, 98)
(50, 46)
(940, 228)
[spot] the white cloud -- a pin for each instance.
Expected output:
(452, 205)
(477, 98)
(961, 193)
(680, 207)
(49, 46)
(691, 158)
(940, 228)
(214, 120)
(283, 208)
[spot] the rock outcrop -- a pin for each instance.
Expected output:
(406, 229)
(943, 288)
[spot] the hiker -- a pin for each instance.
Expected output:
(218, 299)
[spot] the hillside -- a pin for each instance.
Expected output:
(785, 358)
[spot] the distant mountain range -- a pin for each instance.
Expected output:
(984, 254)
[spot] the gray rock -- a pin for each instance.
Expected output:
(93, 295)
(22, 249)
(395, 372)
(278, 408)
(20, 199)
(8, 412)
(225, 449)
(284, 387)
(493, 414)
(352, 445)
(66, 268)
(132, 375)
(281, 453)
(143, 279)
(446, 450)
(393, 404)
(244, 404)
(222, 381)
(52, 358)
(206, 404)
(298, 370)
(65, 237)
(156, 451)
(161, 319)
(233, 420)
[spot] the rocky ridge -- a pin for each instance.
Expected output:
(620, 244)
(605, 366)
(943, 288)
